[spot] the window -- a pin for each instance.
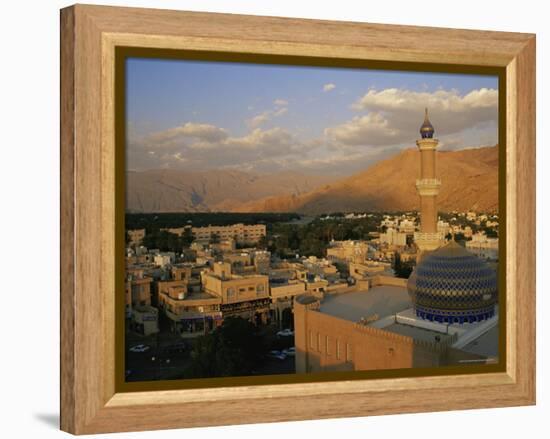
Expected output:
(327, 345)
(311, 340)
(348, 352)
(318, 342)
(338, 355)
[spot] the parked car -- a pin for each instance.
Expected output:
(140, 348)
(285, 333)
(290, 352)
(276, 354)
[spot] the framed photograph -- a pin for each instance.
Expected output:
(268, 219)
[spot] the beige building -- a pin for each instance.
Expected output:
(393, 237)
(241, 233)
(374, 328)
(407, 226)
(282, 296)
(244, 296)
(368, 269)
(347, 251)
(320, 267)
(136, 236)
(145, 320)
(483, 247)
(138, 288)
(191, 313)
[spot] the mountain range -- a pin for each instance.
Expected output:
(469, 182)
(167, 190)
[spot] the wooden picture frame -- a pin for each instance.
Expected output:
(90, 402)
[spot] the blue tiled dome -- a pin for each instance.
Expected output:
(451, 285)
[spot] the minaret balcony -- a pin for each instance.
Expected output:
(428, 186)
(427, 144)
(428, 241)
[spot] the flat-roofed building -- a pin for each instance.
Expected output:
(407, 226)
(244, 296)
(282, 296)
(145, 320)
(320, 267)
(138, 288)
(368, 269)
(394, 238)
(136, 236)
(262, 261)
(190, 313)
(164, 259)
(347, 251)
(377, 328)
(241, 233)
(483, 247)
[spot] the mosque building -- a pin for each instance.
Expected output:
(446, 313)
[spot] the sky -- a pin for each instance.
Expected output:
(201, 115)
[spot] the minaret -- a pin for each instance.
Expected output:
(427, 185)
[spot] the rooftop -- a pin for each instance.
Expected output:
(417, 333)
(486, 344)
(382, 300)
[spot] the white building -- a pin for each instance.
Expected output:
(483, 247)
(164, 259)
(407, 226)
(443, 227)
(393, 237)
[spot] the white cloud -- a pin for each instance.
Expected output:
(197, 146)
(280, 111)
(386, 121)
(328, 87)
(260, 119)
(394, 116)
(202, 131)
(372, 129)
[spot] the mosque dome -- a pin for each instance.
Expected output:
(427, 129)
(451, 285)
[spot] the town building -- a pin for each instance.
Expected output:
(262, 261)
(145, 320)
(483, 247)
(375, 327)
(320, 267)
(407, 226)
(135, 236)
(367, 269)
(164, 259)
(347, 251)
(241, 233)
(242, 296)
(190, 313)
(393, 237)
(138, 287)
